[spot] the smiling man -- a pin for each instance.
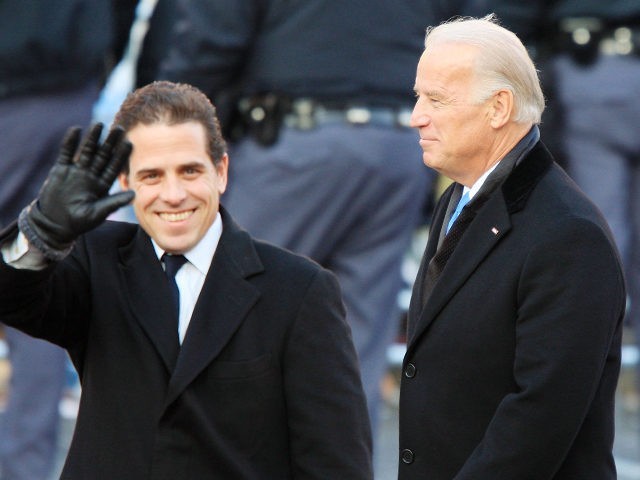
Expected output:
(515, 320)
(248, 372)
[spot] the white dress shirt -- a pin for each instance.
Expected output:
(190, 278)
(476, 186)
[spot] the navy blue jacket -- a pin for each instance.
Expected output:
(357, 51)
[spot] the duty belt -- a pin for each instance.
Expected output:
(306, 114)
(587, 37)
(262, 116)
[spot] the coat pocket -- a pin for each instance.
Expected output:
(241, 369)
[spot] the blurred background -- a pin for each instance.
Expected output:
(587, 52)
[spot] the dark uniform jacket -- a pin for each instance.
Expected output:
(264, 386)
(512, 365)
(53, 45)
(328, 51)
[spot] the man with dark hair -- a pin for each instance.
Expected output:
(235, 362)
(319, 97)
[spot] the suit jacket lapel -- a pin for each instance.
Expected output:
(224, 301)
(149, 296)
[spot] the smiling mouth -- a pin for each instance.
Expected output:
(176, 216)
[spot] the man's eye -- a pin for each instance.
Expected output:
(192, 171)
(149, 177)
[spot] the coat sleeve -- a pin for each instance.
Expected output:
(52, 303)
(328, 423)
(571, 302)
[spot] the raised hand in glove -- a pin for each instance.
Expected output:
(75, 196)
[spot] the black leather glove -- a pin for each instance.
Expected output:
(75, 196)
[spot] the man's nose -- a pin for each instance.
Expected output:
(419, 117)
(173, 190)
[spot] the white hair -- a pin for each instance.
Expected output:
(502, 62)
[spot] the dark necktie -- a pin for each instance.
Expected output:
(466, 215)
(172, 264)
(458, 227)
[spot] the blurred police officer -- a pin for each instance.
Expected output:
(318, 97)
(591, 50)
(54, 56)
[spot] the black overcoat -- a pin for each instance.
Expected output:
(512, 363)
(265, 385)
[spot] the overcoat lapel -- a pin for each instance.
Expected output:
(417, 300)
(149, 296)
(224, 301)
(490, 224)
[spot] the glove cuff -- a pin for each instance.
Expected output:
(35, 236)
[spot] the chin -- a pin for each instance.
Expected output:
(429, 162)
(172, 246)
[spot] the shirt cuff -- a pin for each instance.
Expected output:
(21, 255)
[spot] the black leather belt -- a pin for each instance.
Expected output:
(45, 82)
(306, 114)
(262, 116)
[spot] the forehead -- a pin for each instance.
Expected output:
(164, 143)
(161, 131)
(446, 67)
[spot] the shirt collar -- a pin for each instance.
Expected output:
(201, 255)
(523, 147)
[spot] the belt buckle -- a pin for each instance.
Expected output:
(383, 116)
(403, 118)
(303, 113)
(357, 115)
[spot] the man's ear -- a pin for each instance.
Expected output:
(123, 180)
(502, 106)
(222, 167)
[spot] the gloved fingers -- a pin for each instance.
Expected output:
(105, 152)
(117, 160)
(88, 146)
(107, 205)
(69, 146)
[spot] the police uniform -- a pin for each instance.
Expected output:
(590, 50)
(53, 56)
(325, 163)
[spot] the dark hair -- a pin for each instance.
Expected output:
(172, 103)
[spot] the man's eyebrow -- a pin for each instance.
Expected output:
(192, 164)
(145, 171)
(429, 93)
(435, 94)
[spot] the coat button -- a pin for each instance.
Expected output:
(410, 370)
(407, 456)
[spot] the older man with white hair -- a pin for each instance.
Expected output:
(514, 327)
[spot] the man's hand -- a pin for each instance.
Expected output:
(75, 197)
